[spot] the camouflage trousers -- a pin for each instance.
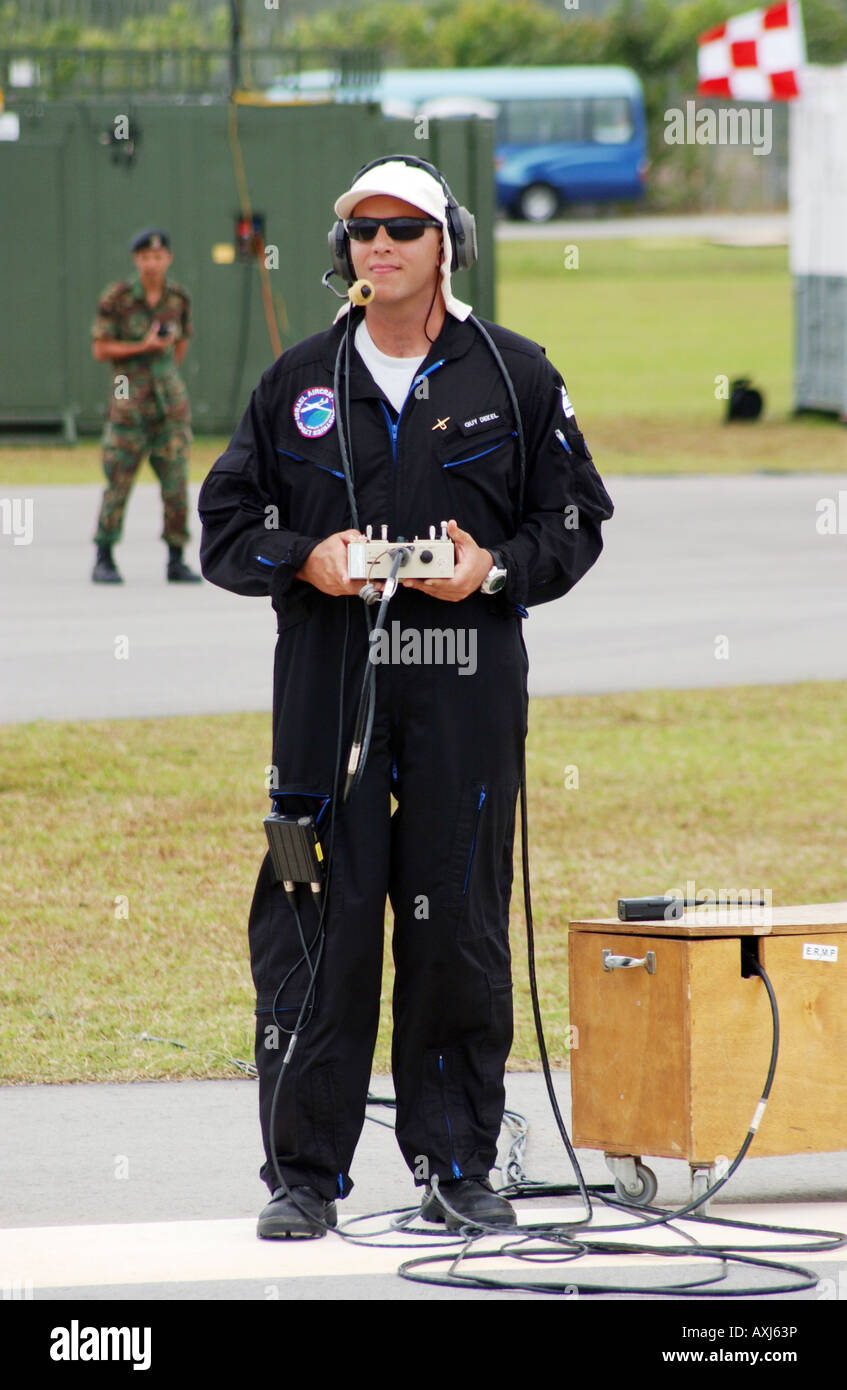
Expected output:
(124, 449)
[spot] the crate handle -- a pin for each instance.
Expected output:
(613, 962)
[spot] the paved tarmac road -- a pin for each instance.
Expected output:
(688, 562)
(151, 1192)
(734, 229)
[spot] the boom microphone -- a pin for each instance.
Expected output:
(361, 292)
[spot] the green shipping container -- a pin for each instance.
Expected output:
(73, 194)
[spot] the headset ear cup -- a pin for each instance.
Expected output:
(463, 226)
(339, 252)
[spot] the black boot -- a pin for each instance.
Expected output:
(301, 1213)
(178, 571)
(473, 1201)
(105, 571)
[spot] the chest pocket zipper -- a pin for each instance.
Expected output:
(469, 458)
(336, 472)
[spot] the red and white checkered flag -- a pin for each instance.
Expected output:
(755, 56)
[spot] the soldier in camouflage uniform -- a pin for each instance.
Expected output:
(142, 329)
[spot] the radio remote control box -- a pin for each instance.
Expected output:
(430, 558)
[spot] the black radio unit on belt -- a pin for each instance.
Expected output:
(296, 854)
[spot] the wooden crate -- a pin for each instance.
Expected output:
(673, 1063)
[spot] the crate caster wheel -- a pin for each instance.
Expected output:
(643, 1191)
(634, 1181)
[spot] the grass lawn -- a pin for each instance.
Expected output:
(136, 844)
(640, 330)
(63, 467)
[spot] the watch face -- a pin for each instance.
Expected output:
(493, 581)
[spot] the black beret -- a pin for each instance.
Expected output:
(151, 236)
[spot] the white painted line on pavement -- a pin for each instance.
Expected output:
(196, 1251)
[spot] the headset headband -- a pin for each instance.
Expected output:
(413, 162)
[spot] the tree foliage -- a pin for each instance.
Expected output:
(657, 38)
(180, 26)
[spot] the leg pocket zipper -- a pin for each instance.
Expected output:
(457, 1172)
(480, 803)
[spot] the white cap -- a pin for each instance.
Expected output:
(416, 186)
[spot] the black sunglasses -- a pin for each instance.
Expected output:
(398, 228)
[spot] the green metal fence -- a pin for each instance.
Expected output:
(105, 14)
(53, 73)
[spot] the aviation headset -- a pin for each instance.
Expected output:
(461, 224)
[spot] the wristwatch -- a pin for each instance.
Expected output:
(496, 576)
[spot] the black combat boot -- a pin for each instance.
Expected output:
(178, 571)
(105, 570)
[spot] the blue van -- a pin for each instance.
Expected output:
(562, 134)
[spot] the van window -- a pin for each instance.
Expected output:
(544, 122)
(610, 120)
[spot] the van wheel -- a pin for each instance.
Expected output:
(538, 203)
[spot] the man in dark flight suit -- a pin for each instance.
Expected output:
(432, 436)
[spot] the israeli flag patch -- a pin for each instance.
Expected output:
(314, 412)
(566, 404)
